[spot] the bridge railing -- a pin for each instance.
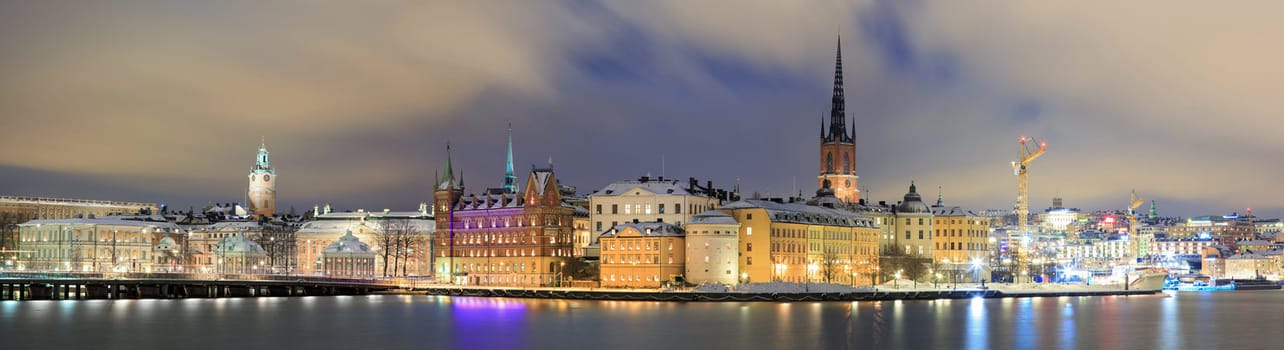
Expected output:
(194, 276)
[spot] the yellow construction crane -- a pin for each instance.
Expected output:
(1025, 155)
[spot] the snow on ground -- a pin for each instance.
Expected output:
(785, 287)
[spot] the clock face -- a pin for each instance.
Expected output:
(268, 177)
(849, 183)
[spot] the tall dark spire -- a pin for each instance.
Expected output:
(837, 107)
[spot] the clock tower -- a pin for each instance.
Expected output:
(837, 146)
(262, 193)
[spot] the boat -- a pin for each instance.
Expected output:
(1258, 284)
(1146, 278)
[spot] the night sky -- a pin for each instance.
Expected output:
(166, 101)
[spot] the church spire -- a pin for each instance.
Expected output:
(837, 107)
(448, 181)
(940, 200)
(510, 180)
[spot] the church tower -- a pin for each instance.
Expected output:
(446, 193)
(837, 146)
(262, 192)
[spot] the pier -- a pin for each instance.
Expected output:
(43, 286)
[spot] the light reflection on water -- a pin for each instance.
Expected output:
(1210, 320)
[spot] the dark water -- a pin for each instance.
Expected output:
(1227, 320)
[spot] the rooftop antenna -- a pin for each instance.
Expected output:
(661, 165)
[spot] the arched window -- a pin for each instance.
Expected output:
(829, 162)
(847, 163)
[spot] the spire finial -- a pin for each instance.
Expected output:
(262, 141)
(940, 200)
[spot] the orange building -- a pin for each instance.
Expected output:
(642, 254)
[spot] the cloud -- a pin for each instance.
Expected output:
(357, 100)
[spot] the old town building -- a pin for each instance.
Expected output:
(796, 242)
(523, 238)
(642, 254)
(114, 243)
(411, 256)
(712, 249)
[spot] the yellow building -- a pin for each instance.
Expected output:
(642, 254)
(960, 242)
(796, 242)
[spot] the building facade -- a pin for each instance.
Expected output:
(960, 242)
(377, 229)
(262, 191)
(513, 239)
(795, 242)
(643, 200)
(642, 254)
(111, 244)
(348, 257)
(712, 242)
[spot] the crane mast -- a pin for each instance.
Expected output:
(1020, 168)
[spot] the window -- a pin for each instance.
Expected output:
(661, 208)
(907, 233)
(749, 216)
(748, 260)
(599, 226)
(748, 247)
(599, 209)
(920, 234)
(907, 222)
(677, 208)
(648, 209)
(920, 221)
(749, 231)
(628, 209)
(615, 209)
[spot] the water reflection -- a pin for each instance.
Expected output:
(1220, 320)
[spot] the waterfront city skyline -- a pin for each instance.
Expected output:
(167, 102)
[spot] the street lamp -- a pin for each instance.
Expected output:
(896, 279)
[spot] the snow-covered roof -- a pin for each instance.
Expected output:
(664, 187)
(712, 217)
(331, 226)
(948, 211)
(647, 229)
(805, 214)
(106, 220)
(348, 244)
(541, 177)
(238, 244)
(490, 201)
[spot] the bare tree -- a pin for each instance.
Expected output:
(278, 242)
(829, 266)
(391, 237)
(9, 231)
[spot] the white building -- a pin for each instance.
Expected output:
(645, 200)
(113, 243)
(348, 257)
(326, 228)
(238, 254)
(712, 249)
